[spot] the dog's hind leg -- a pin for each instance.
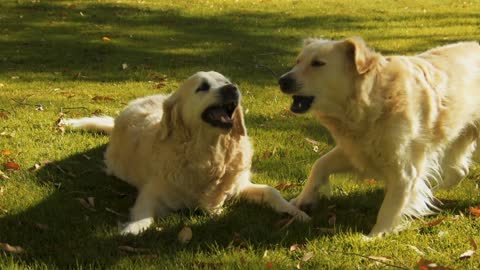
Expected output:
(334, 161)
(457, 159)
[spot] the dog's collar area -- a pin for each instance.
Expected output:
(301, 104)
(220, 116)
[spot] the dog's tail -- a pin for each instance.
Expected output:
(99, 123)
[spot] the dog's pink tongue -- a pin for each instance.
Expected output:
(220, 114)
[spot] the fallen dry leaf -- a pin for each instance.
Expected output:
(86, 204)
(380, 259)
(417, 250)
(269, 265)
(475, 211)
(285, 222)
(435, 222)
(3, 115)
(114, 212)
(11, 166)
(428, 265)
(4, 176)
(284, 186)
(102, 98)
(185, 235)
(307, 256)
(312, 141)
(132, 249)
(91, 201)
(370, 181)
(11, 249)
(106, 39)
(42, 226)
(294, 247)
(5, 152)
(332, 219)
(473, 243)
(467, 254)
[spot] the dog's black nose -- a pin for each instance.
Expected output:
(229, 92)
(287, 84)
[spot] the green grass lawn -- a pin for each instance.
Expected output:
(63, 54)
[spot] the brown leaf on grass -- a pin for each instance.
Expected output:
(42, 226)
(3, 115)
(294, 247)
(283, 186)
(115, 212)
(132, 249)
(86, 204)
(5, 152)
(11, 249)
(380, 259)
(435, 222)
(332, 219)
(467, 254)
(475, 211)
(102, 98)
(307, 256)
(4, 176)
(185, 235)
(473, 243)
(11, 166)
(269, 265)
(284, 223)
(428, 265)
(370, 181)
(106, 39)
(417, 250)
(312, 141)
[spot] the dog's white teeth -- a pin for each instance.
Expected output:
(224, 119)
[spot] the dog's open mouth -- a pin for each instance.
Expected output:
(301, 104)
(220, 116)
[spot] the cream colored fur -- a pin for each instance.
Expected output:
(160, 145)
(411, 121)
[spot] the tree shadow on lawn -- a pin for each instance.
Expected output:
(61, 38)
(61, 232)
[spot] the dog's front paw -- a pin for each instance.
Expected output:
(301, 216)
(136, 227)
(303, 203)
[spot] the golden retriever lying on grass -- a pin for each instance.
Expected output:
(186, 150)
(411, 121)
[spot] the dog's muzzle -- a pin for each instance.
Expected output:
(288, 85)
(221, 114)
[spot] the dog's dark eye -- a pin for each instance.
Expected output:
(203, 87)
(317, 63)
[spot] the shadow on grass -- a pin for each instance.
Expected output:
(64, 41)
(62, 233)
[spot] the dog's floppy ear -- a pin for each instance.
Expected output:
(171, 116)
(362, 56)
(239, 128)
(308, 41)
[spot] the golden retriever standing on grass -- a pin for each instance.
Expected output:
(186, 150)
(411, 121)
